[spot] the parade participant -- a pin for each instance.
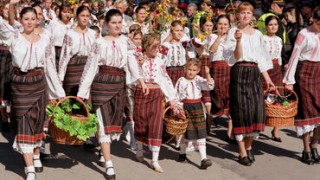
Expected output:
(48, 13)
(34, 77)
(273, 45)
(220, 72)
(244, 51)
(148, 109)
(5, 67)
(105, 75)
(141, 16)
(59, 28)
(304, 71)
(76, 47)
(189, 92)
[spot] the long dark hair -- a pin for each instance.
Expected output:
(62, 7)
(81, 9)
(112, 12)
(26, 10)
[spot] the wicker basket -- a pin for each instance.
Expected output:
(175, 125)
(282, 115)
(62, 137)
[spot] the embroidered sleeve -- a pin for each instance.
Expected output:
(203, 83)
(89, 72)
(132, 68)
(166, 84)
(65, 56)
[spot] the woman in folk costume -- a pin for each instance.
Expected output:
(220, 72)
(106, 73)
(141, 17)
(135, 51)
(5, 66)
(304, 70)
(34, 73)
(202, 42)
(76, 47)
(273, 45)
(189, 92)
(58, 28)
(148, 109)
(244, 50)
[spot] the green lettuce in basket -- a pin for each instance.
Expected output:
(63, 120)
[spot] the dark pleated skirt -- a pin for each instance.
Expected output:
(220, 72)
(308, 91)
(197, 123)
(275, 76)
(29, 99)
(206, 98)
(5, 73)
(73, 75)
(247, 108)
(147, 115)
(108, 94)
(175, 73)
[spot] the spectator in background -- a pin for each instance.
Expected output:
(306, 11)
(108, 5)
(191, 11)
(122, 6)
(48, 13)
(94, 8)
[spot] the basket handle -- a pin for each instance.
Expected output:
(165, 111)
(76, 98)
(281, 87)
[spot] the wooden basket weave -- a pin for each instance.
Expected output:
(175, 125)
(282, 115)
(62, 137)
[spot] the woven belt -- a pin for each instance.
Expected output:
(111, 70)
(275, 61)
(32, 72)
(245, 63)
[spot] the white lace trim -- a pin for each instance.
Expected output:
(240, 137)
(25, 148)
(103, 137)
(306, 129)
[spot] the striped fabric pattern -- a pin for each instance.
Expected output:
(148, 116)
(29, 99)
(5, 73)
(197, 123)
(275, 76)
(73, 75)
(308, 91)
(205, 62)
(247, 108)
(175, 73)
(220, 72)
(108, 93)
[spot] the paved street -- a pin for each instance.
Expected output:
(273, 161)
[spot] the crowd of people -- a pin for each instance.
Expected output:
(209, 59)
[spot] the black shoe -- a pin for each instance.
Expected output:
(277, 139)
(244, 161)
(5, 127)
(109, 177)
(315, 155)
(251, 156)
(182, 158)
(205, 163)
(307, 158)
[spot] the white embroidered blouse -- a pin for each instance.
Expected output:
(27, 56)
(176, 55)
(58, 31)
(74, 44)
(273, 46)
(191, 89)
(306, 48)
(218, 55)
(252, 49)
(110, 53)
(154, 71)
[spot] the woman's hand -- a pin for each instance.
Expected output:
(207, 70)
(141, 59)
(271, 86)
(289, 87)
(238, 35)
(144, 87)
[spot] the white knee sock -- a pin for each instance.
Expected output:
(202, 148)
(178, 140)
(37, 161)
(183, 145)
(155, 152)
(139, 149)
(30, 176)
(109, 168)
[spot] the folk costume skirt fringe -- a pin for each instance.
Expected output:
(148, 116)
(175, 73)
(73, 75)
(220, 72)
(5, 72)
(308, 91)
(108, 99)
(247, 108)
(29, 99)
(197, 123)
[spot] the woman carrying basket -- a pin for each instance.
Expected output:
(107, 72)
(304, 70)
(34, 73)
(189, 91)
(244, 50)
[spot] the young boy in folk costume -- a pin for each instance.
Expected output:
(105, 76)
(148, 109)
(189, 91)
